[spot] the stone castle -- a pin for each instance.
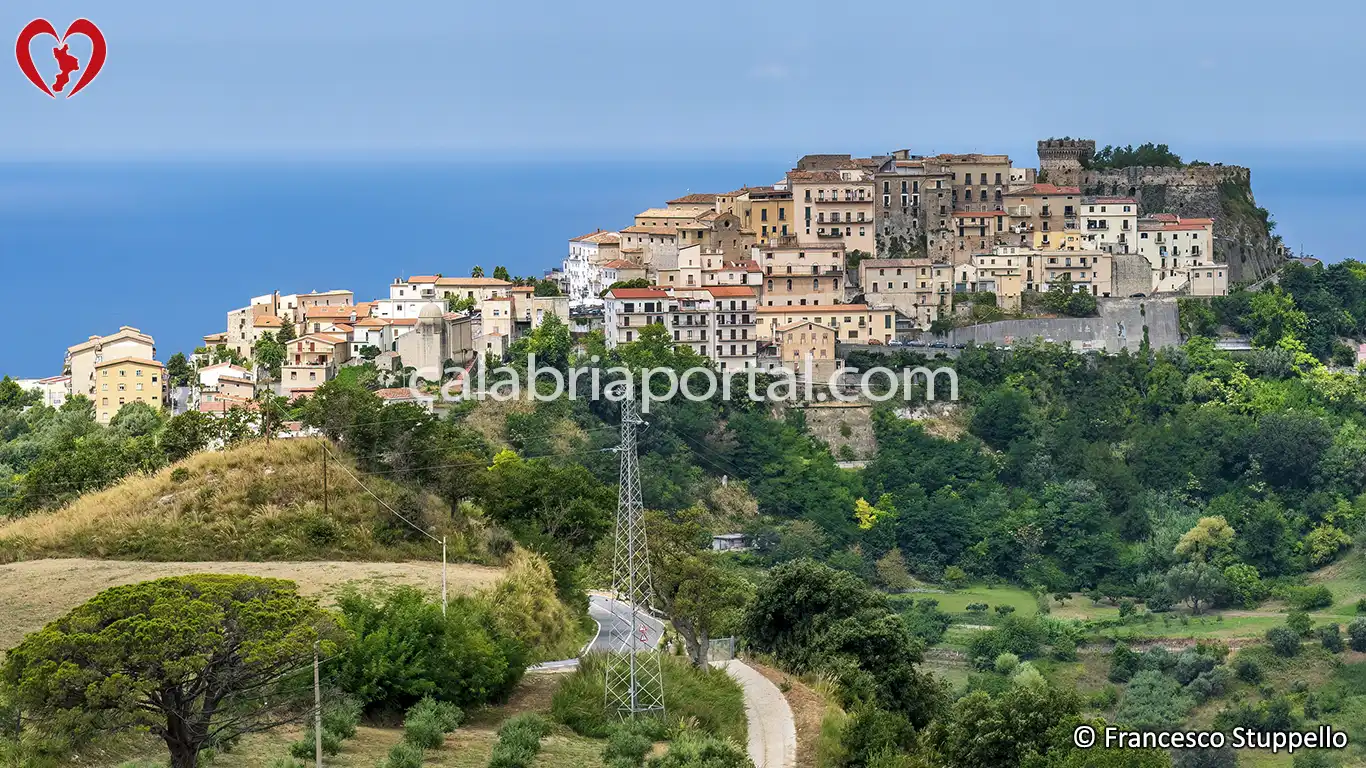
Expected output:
(1220, 192)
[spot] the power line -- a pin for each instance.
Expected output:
(377, 498)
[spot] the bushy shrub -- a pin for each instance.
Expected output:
(1356, 634)
(627, 746)
(1006, 663)
(1247, 669)
(1309, 598)
(1124, 663)
(977, 607)
(404, 755)
(1330, 635)
(1283, 640)
(871, 730)
(519, 741)
(1153, 701)
(1022, 636)
(402, 648)
(445, 714)
(342, 718)
(423, 730)
(693, 750)
(305, 747)
(1299, 623)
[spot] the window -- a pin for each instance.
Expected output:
(139, 386)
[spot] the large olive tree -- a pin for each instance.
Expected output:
(197, 660)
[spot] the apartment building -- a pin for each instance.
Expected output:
(125, 380)
(834, 205)
(1172, 245)
(770, 214)
(718, 322)
(311, 361)
(1110, 224)
(978, 232)
(696, 203)
(920, 289)
(1000, 273)
(856, 323)
(804, 347)
(82, 359)
(747, 272)
(980, 182)
(480, 289)
(667, 218)
(1042, 209)
(914, 198)
(800, 274)
(650, 245)
(582, 272)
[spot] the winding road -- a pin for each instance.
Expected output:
(772, 728)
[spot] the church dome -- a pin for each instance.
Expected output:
(431, 313)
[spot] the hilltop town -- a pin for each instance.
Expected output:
(841, 252)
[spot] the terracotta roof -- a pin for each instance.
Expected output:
(490, 282)
(341, 328)
(423, 279)
(211, 338)
(696, 197)
(329, 312)
(403, 321)
(323, 337)
(237, 379)
(1108, 200)
(637, 293)
(806, 176)
(800, 323)
(729, 290)
(641, 229)
(597, 236)
(137, 360)
(664, 213)
(223, 406)
(397, 393)
(267, 321)
(621, 264)
(522, 289)
(1046, 189)
(123, 333)
(372, 322)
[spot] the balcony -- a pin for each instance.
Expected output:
(1019, 211)
(830, 234)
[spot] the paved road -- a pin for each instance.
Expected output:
(772, 729)
(614, 626)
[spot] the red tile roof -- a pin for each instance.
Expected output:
(694, 198)
(1047, 189)
(729, 290)
(638, 293)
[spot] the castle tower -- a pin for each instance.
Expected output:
(1064, 160)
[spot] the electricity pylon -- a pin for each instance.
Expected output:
(635, 683)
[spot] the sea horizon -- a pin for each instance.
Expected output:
(171, 245)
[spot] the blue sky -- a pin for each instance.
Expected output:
(618, 77)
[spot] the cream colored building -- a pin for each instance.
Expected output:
(770, 214)
(125, 380)
(82, 359)
(807, 347)
(801, 274)
(1000, 273)
(1110, 224)
(1171, 245)
(480, 289)
(980, 181)
(834, 205)
(666, 218)
(695, 203)
(311, 361)
(650, 245)
(920, 289)
(856, 323)
(978, 232)
(1040, 212)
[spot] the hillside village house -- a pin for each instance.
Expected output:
(583, 279)
(917, 288)
(125, 380)
(806, 346)
(1044, 209)
(717, 322)
(82, 358)
(1110, 224)
(798, 274)
(769, 213)
(980, 182)
(1172, 246)
(856, 323)
(53, 389)
(226, 381)
(834, 205)
(311, 361)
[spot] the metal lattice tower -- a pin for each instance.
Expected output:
(635, 682)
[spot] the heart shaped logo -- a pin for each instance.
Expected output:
(67, 63)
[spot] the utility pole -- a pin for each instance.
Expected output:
(324, 445)
(317, 712)
(443, 575)
(635, 687)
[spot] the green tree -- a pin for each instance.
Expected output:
(1153, 701)
(460, 303)
(186, 434)
(701, 598)
(1197, 583)
(1012, 729)
(136, 419)
(547, 288)
(478, 271)
(269, 354)
(178, 370)
(1211, 538)
(14, 396)
(501, 273)
(197, 660)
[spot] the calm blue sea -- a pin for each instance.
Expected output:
(171, 248)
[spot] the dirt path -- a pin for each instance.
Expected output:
(772, 729)
(35, 592)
